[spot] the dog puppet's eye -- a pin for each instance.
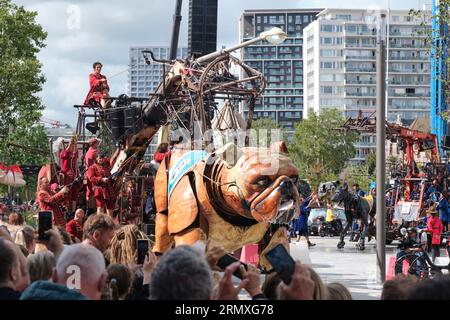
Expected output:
(263, 181)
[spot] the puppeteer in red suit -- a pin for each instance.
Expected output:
(70, 171)
(98, 175)
(51, 201)
(98, 88)
(89, 160)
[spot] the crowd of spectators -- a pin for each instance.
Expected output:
(103, 265)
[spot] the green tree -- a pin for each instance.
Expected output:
(362, 173)
(21, 39)
(267, 124)
(319, 149)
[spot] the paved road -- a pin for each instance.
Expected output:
(353, 268)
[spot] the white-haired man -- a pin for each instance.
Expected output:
(79, 274)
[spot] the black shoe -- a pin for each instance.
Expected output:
(310, 244)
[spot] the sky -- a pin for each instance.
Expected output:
(83, 31)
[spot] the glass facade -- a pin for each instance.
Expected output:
(281, 64)
(143, 79)
(202, 34)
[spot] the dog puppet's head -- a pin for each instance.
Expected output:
(262, 184)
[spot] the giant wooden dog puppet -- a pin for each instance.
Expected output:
(231, 201)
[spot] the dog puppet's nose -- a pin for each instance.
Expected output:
(286, 187)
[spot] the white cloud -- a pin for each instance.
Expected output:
(109, 27)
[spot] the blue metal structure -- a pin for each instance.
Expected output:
(439, 55)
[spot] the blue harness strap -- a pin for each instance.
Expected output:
(183, 165)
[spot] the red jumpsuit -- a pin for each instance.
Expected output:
(103, 193)
(50, 201)
(89, 160)
(96, 88)
(69, 169)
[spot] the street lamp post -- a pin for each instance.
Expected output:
(275, 36)
(381, 150)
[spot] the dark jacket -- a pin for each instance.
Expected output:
(9, 294)
(47, 290)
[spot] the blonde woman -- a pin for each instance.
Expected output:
(337, 291)
(25, 237)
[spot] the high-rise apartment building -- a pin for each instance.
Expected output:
(143, 79)
(281, 64)
(202, 33)
(340, 66)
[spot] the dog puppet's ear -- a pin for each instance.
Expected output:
(279, 146)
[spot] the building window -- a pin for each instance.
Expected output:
(346, 17)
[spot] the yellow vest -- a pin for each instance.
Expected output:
(330, 215)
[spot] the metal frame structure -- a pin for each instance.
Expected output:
(439, 71)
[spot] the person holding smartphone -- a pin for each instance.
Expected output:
(51, 201)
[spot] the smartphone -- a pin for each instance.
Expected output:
(282, 262)
(142, 248)
(228, 259)
(44, 224)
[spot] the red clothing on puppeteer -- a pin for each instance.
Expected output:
(435, 226)
(96, 88)
(50, 201)
(103, 193)
(69, 170)
(159, 156)
(75, 230)
(89, 158)
(69, 166)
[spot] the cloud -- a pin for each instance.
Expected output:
(83, 31)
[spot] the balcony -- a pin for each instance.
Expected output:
(360, 33)
(414, 34)
(360, 57)
(403, 107)
(360, 94)
(360, 69)
(360, 82)
(408, 83)
(407, 46)
(408, 95)
(359, 45)
(408, 58)
(395, 70)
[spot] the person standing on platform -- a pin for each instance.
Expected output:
(98, 175)
(70, 171)
(89, 160)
